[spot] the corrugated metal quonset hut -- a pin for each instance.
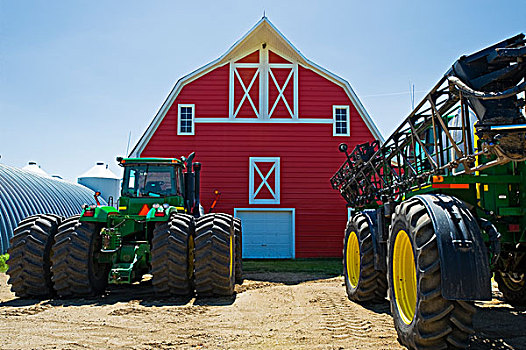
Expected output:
(24, 193)
(266, 122)
(100, 178)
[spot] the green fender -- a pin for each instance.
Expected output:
(100, 215)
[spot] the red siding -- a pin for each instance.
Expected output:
(250, 58)
(317, 95)
(308, 152)
(209, 93)
(308, 155)
(275, 58)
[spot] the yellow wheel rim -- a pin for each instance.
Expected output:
(352, 259)
(404, 277)
(231, 255)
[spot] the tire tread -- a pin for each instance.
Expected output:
(169, 256)
(372, 284)
(439, 323)
(71, 257)
(29, 256)
(212, 255)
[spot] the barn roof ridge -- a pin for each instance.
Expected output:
(225, 59)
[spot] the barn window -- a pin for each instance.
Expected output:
(185, 122)
(341, 121)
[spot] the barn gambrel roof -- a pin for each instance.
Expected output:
(262, 32)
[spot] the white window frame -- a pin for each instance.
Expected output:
(252, 192)
(179, 119)
(348, 121)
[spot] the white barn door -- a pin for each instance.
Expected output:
(267, 233)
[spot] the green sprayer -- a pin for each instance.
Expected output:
(440, 207)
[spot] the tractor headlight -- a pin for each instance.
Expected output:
(156, 206)
(166, 205)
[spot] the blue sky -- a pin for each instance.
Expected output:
(76, 77)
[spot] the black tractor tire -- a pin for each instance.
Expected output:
(29, 256)
(238, 233)
(427, 320)
(170, 256)
(512, 287)
(75, 270)
(362, 282)
(214, 255)
(238, 238)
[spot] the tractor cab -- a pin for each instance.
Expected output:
(144, 180)
(167, 182)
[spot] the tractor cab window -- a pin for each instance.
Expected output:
(151, 181)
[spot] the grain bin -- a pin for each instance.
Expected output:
(35, 168)
(100, 178)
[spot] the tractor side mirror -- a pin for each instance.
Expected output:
(96, 196)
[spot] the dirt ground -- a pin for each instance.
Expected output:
(269, 311)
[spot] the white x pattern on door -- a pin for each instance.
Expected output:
(264, 178)
(281, 89)
(246, 91)
(254, 169)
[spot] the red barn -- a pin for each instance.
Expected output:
(266, 123)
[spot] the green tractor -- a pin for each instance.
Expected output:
(159, 231)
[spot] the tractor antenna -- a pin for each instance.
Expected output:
(412, 94)
(264, 14)
(128, 147)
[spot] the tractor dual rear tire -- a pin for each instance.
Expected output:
(423, 318)
(238, 235)
(29, 256)
(75, 270)
(362, 282)
(171, 255)
(214, 255)
(512, 287)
